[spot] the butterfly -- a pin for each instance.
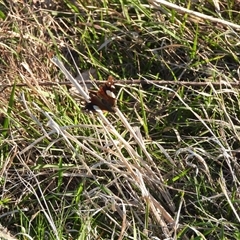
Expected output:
(104, 98)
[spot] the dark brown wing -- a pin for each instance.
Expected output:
(96, 101)
(104, 98)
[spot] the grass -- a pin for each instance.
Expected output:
(164, 166)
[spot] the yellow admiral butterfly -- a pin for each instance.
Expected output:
(104, 98)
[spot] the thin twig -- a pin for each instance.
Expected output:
(134, 81)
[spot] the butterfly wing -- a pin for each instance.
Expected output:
(104, 98)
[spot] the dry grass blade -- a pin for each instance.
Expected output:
(42, 202)
(157, 3)
(70, 78)
(225, 191)
(135, 173)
